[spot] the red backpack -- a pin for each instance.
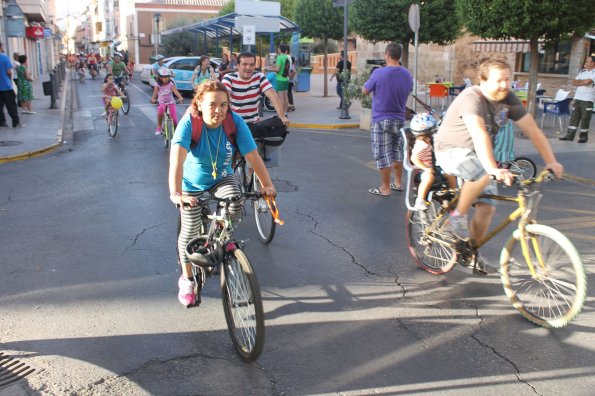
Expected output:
(228, 126)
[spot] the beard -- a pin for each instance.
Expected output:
(500, 95)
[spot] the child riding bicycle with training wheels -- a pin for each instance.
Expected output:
(109, 89)
(163, 94)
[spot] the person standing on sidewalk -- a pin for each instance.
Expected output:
(7, 95)
(582, 107)
(391, 86)
(341, 78)
(281, 68)
(25, 92)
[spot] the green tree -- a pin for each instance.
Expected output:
(228, 8)
(179, 44)
(550, 20)
(319, 19)
(387, 20)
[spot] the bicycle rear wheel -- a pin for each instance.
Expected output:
(126, 104)
(112, 123)
(267, 104)
(523, 167)
(433, 251)
(265, 223)
(556, 294)
(167, 129)
(242, 304)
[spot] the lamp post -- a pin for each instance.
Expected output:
(156, 18)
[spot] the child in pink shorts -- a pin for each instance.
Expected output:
(163, 94)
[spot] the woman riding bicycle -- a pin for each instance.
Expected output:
(195, 167)
(163, 93)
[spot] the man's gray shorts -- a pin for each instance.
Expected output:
(462, 162)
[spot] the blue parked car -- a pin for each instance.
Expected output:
(182, 67)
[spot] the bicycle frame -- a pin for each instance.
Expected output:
(523, 212)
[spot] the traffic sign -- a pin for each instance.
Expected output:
(341, 3)
(414, 17)
(249, 35)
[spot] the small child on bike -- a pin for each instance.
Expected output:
(423, 126)
(163, 94)
(109, 89)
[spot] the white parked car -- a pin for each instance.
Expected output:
(182, 68)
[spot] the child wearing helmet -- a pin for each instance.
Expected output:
(423, 126)
(163, 94)
(109, 89)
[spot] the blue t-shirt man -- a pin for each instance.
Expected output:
(391, 86)
(213, 146)
(5, 80)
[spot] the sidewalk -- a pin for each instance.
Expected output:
(44, 131)
(41, 132)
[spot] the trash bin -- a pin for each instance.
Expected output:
(47, 88)
(375, 64)
(303, 79)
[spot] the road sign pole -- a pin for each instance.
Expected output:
(344, 109)
(414, 25)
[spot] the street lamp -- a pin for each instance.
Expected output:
(156, 18)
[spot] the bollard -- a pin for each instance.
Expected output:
(54, 90)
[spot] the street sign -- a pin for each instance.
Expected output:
(414, 17)
(341, 3)
(248, 35)
(262, 8)
(260, 24)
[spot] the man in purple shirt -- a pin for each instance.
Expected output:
(391, 86)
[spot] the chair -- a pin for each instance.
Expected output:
(558, 107)
(438, 91)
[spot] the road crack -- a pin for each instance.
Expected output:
(517, 371)
(137, 237)
(351, 256)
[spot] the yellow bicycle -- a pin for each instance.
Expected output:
(540, 269)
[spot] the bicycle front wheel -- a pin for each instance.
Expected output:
(167, 129)
(265, 223)
(126, 104)
(242, 304)
(432, 250)
(555, 295)
(112, 123)
(523, 167)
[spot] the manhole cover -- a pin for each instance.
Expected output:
(6, 143)
(12, 370)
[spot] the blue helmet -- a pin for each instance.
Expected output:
(422, 124)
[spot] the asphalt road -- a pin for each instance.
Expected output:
(88, 285)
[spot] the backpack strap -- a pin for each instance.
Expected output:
(229, 127)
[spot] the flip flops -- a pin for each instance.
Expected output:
(376, 191)
(394, 187)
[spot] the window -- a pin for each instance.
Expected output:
(553, 58)
(184, 64)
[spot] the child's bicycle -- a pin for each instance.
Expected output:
(540, 269)
(112, 115)
(167, 127)
(215, 251)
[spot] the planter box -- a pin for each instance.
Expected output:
(365, 119)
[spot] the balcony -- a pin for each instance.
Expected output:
(35, 10)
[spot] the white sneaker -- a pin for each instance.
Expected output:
(420, 204)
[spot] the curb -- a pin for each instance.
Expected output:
(59, 133)
(322, 126)
(30, 154)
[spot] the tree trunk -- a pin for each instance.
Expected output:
(405, 56)
(325, 66)
(532, 87)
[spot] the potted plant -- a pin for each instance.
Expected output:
(353, 92)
